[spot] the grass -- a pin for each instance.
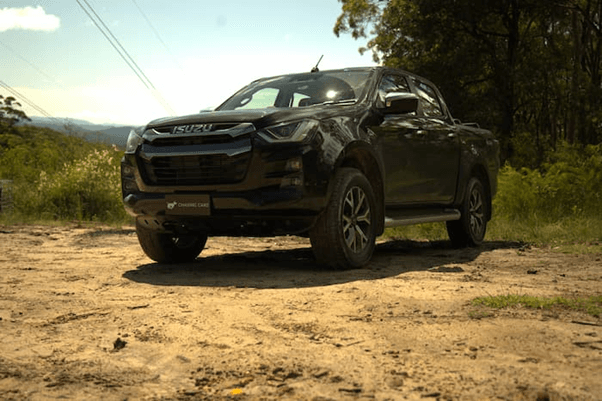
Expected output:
(576, 235)
(19, 219)
(591, 305)
(539, 231)
(429, 231)
(578, 248)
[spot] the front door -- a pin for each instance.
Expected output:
(421, 151)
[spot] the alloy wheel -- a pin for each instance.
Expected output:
(356, 219)
(476, 211)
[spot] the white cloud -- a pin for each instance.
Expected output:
(28, 18)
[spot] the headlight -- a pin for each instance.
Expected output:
(134, 139)
(289, 132)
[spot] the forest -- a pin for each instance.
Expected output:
(529, 70)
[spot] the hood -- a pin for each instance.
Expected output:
(258, 117)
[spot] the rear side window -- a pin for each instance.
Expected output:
(429, 101)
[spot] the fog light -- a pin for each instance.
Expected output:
(291, 181)
(294, 165)
(127, 169)
(130, 186)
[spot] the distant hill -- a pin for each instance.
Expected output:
(103, 133)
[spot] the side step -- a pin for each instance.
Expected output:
(409, 217)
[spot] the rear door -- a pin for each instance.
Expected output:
(440, 155)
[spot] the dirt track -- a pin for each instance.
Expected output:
(85, 315)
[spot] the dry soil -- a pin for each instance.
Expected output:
(85, 315)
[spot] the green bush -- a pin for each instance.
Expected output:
(570, 185)
(60, 177)
(85, 189)
(29, 150)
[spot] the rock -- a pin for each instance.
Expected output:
(119, 344)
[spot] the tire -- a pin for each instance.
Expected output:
(168, 247)
(470, 229)
(344, 235)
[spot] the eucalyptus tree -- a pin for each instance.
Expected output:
(9, 113)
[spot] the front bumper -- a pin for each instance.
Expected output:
(283, 189)
(229, 214)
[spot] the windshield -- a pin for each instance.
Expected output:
(301, 90)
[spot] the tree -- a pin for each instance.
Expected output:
(586, 74)
(527, 69)
(9, 115)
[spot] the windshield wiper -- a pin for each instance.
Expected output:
(342, 101)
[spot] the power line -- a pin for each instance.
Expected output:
(104, 29)
(22, 97)
(157, 35)
(116, 45)
(32, 65)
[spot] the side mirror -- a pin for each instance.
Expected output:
(400, 103)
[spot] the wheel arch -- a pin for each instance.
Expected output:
(361, 157)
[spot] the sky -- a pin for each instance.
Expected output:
(191, 54)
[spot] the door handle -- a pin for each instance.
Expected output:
(419, 133)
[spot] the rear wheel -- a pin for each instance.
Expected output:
(345, 233)
(169, 247)
(470, 229)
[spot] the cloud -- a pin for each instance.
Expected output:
(28, 18)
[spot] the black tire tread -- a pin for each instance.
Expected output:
(459, 230)
(326, 241)
(161, 248)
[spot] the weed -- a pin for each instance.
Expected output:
(591, 305)
(479, 314)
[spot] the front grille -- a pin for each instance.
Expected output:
(196, 170)
(217, 156)
(191, 140)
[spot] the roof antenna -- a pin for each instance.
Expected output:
(315, 69)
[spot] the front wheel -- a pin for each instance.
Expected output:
(470, 229)
(345, 233)
(169, 247)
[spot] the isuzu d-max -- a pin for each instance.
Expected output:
(334, 155)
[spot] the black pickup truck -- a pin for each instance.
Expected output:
(334, 155)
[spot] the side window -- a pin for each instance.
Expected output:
(391, 83)
(429, 101)
(299, 100)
